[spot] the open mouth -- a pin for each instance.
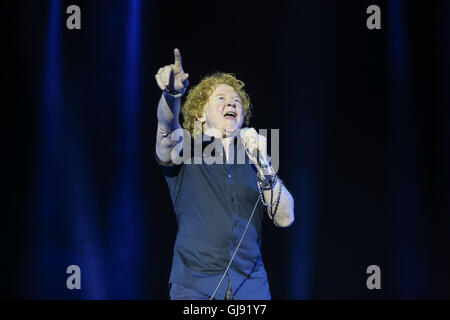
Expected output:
(231, 115)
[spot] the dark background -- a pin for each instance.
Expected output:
(364, 128)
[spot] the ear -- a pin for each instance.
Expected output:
(202, 119)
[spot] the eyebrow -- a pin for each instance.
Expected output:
(222, 94)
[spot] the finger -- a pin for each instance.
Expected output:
(256, 142)
(246, 135)
(177, 54)
(251, 143)
(262, 148)
(184, 77)
(253, 135)
(262, 144)
(159, 82)
(181, 81)
(253, 132)
(165, 75)
(262, 140)
(158, 77)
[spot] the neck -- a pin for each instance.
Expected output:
(227, 142)
(226, 137)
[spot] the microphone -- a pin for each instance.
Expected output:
(246, 134)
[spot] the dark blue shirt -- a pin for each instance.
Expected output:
(213, 203)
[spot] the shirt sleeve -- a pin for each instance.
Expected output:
(173, 174)
(170, 170)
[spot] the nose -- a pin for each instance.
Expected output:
(231, 103)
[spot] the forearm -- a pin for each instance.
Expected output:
(280, 203)
(284, 214)
(173, 81)
(168, 121)
(169, 112)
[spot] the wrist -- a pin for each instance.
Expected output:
(173, 93)
(266, 181)
(266, 169)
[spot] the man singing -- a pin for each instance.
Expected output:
(215, 204)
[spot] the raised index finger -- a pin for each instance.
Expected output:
(177, 58)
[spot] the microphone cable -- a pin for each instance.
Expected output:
(236, 250)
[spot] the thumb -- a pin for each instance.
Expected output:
(184, 77)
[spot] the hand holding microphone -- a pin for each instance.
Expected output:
(255, 143)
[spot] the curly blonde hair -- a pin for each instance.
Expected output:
(198, 97)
